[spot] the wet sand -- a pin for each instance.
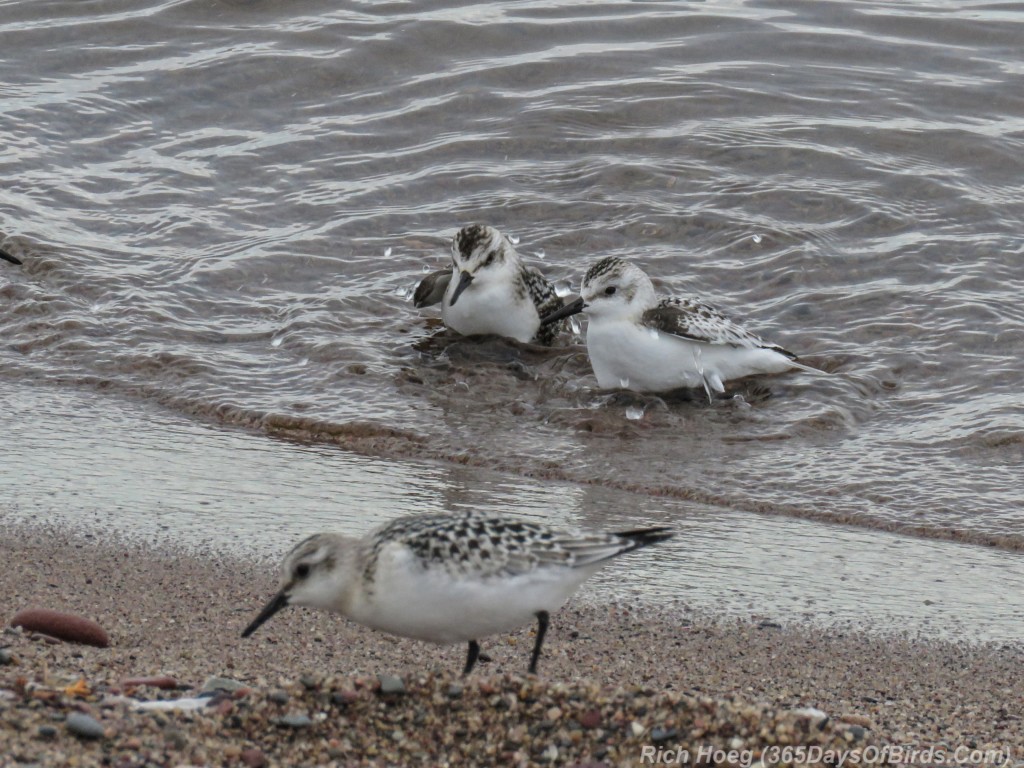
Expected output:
(614, 678)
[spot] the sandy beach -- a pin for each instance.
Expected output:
(617, 683)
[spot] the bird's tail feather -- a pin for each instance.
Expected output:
(807, 368)
(644, 537)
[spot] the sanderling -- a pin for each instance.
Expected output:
(8, 257)
(637, 342)
(489, 290)
(449, 578)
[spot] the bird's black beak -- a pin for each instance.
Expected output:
(279, 601)
(568, 310)
(464, 280)
(7, 257)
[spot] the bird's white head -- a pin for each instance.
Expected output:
(480, 255)
(316, 573)
(615, 288)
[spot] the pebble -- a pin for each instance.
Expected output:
(65, 626)
(659, 735)
(6, 657)
(254, 758)
(391, 685)
(222, 684)
(47, 732)
(278, 697)
(295, 721)
(343, 698)
(84, 726)
(164, 682)
(176, 739)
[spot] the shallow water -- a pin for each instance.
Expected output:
(156, 477)
(222, 208)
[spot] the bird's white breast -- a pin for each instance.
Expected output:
(443, 607)
(630, 356)
(492, 307)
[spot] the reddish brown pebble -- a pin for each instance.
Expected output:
(254, 758)
(166, 682)
(591, 718)
(66, 626)
(48, 639)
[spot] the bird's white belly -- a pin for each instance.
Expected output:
(628, 356)
(435, 607)
(491, 309)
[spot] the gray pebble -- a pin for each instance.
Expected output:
(295, 721)
(455, 691)
(176, 739)
(84, 726)
(278, 697)
(391, 685)
(222, 684)
(663, 734)
(6, 657)
(47, 732)
(308, 682)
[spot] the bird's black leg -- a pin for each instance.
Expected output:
(542, 628)
(474, 651)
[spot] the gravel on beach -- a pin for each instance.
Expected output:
(619, 684)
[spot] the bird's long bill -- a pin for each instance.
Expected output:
(568, 310)
(464, 280)
(7, 257)
(279, 601)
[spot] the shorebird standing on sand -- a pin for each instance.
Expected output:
(636, 341)
(489, 290)
(449, 578)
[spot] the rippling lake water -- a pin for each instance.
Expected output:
(223, 207)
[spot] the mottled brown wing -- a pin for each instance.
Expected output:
(695, 320)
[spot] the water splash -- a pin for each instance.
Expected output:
(563, 288)
(653, 333)
(634, 412)
(756, 239)
(276, 341)
(541, 254)
(387, 251)
(514, 239)
(425, 269)
(624, 382)
(574, 325)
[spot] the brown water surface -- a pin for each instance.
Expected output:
(223, 207)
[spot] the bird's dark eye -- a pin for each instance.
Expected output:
(609, 291)
(302, 570)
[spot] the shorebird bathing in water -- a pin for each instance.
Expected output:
(449, 578)
(640, 343)
(489, 290)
